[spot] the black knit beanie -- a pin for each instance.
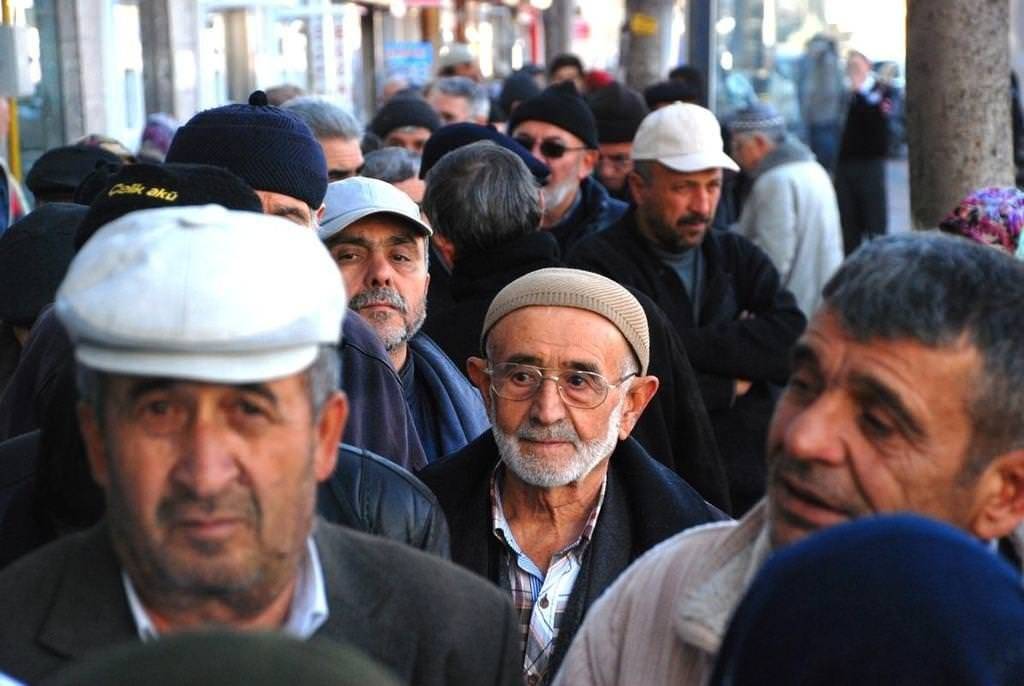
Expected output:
(148, 186)
(34, 255)
(270, 148)
(404, 110)
(618, 111)
(562, 106)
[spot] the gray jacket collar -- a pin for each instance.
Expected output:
(703, 613)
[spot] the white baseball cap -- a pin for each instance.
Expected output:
(683, 137)
(202, 293)
(349, 200)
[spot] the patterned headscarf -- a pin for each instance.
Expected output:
(993, 216)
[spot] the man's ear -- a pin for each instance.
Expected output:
(637, 185)
(589, 161)
(476, 367)
(329, 428)
(95, 446)
(320, 212)
(1000, 497)
(641, 390)
(445, 249)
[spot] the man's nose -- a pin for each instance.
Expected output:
(817, 431)
(702, 202)
(379, 271)
(547, 406)
(208, 462)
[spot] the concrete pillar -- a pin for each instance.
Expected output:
(558, 28)
(241, 81)
(958, 102)
(650, 30)
(157, 55)
(61, 67)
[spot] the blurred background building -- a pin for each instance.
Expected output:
(100, 66)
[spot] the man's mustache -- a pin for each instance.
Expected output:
(379, 295)
(693, 218)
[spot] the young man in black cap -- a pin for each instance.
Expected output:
(559, 129)
(618, 111)
(405, 121)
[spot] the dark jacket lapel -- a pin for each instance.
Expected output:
(90, 610)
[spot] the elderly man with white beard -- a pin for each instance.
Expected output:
(556, 500)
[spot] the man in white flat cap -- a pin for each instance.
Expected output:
(208, 421)
(720, 291)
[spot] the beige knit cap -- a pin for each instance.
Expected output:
(560, 287)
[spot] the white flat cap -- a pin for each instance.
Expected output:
(349, 200)
(202, 293)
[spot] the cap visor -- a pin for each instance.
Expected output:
(246, 367)
(699, 161)
(339, 223)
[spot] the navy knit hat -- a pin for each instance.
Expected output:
(34, 255)
(270, 148)
(401, 111)
(148, 186)
(562, 106)
(455, 136)
(618, 111)
(883, 601)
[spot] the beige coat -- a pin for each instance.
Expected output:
(663, 620)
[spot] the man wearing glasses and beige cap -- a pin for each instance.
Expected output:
(557, 499)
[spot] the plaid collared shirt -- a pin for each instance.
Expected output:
(539, 598)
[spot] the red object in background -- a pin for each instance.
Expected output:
(598, 78)
(580, 29)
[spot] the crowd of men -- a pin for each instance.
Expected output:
(276, 406)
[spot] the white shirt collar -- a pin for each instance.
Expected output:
(308, 611)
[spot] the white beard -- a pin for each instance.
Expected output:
(535, 471)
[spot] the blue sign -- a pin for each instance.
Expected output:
(413, 60)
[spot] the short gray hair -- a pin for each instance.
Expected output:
(463, 87)
(322, 378)
(392, 164)
(942, 291)
(326, 119)
(480, 196)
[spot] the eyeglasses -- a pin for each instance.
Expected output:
(551, 148)
(585, 390)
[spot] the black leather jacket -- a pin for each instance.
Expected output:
(371, 494)
(366, 493)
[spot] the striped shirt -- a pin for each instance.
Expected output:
(539, 599)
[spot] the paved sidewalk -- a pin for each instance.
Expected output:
(897, 181)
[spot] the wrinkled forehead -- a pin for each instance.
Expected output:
(554, 335)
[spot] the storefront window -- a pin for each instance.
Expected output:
(762, 49)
